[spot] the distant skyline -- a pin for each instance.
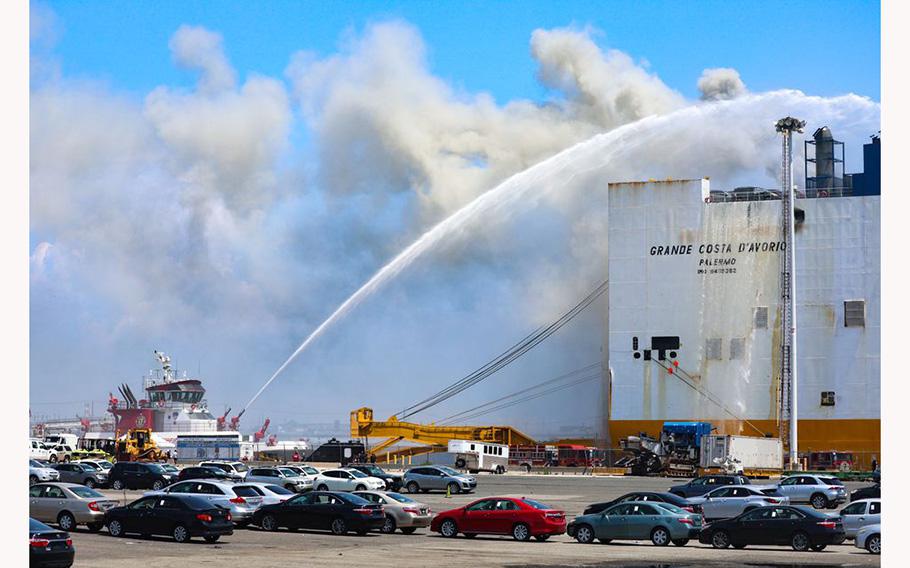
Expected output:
(211, 179)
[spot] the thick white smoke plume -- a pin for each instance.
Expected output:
(186, 220)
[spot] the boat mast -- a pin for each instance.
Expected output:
(788, 378)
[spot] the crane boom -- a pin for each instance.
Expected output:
(363, 426)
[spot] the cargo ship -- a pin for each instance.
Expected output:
(694, 319)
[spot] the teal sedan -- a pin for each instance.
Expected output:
(662, 523)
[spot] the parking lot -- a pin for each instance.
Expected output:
(253, 547)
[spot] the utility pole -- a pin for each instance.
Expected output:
(788, 379)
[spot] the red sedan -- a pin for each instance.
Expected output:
(522, 518)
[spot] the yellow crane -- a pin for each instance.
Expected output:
(434, 438)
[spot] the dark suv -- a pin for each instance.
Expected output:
(204, 472)
(392, 480)
(701, 485)
(139, 475)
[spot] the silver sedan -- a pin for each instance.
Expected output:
(401, 511)
(69, 504)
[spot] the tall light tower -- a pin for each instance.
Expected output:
(788, 385)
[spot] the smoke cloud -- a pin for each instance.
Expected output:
(721, 83)
(186, 220)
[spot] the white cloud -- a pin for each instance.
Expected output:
(720, 83)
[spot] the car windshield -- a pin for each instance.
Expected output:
(34, 463)
(241, 467)
(90, 466)
(449, 470)
(358, 474)
(85, 492)
(831, 481)
(169, 468)
(288, 471)
(37, 526)
(401, 498)
(537, 504)
(105, 465)
(278, 490)
(156, 468)
(353, 499)
(670, 507)
(311, 470)
(373, 470)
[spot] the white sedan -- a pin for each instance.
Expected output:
(346, 480)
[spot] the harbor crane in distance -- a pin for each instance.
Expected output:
(432, 437)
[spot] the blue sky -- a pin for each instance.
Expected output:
(824, 48)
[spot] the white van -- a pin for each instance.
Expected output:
(480, 456)
(37, 451)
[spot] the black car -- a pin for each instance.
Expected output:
(701, 485)
(681, 502)
(179, 516)
(392, 480)
(204, 472)
(871, 492)
(801, 528)
(322, 510)
(49, 548)
(139, 475)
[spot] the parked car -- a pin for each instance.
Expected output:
(241, 501)
(659, 522)
(282, 476)
(701, 485)
(522, 518)
(83, 474)
(401, 512)
(37, 451)
(393, 481)
(871, 492)
(38, 472)
(822, 492)
(103, 465)
(727, 502)
(49, 547)
(181, 517)
(139, 475)
(234, 469)
(646, 496)
(346, 480)
(271, 494)
(203, 472)
(801, 528)
(870, 538)
(68, 504)
(303, 470)
(322, 510)
(59, 453)
(439, 477)
(860, 513)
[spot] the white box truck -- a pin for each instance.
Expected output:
(742, 454)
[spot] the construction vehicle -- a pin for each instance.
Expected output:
(432, 438)
(676, 451)
(138, 445)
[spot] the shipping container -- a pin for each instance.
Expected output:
(759, 455)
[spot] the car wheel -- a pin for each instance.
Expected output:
(339, 527)
(542, 537)
(52, 459)
(521, 532)
(389, 526)
(90, 483)
(181, 534)
(800, 542)
(66, 521)
(460, 463)
(720, 539)
(680, 541)
(874, 544)
(453, 488)
(32, 479)
(527, 468)
(269, 523)
(819, 501)
(501, 470)
(448, 528)
(584, 534)
(118, 485)
(115, 528)
(660, 536)
(409, 530)
(94, 527)
(819, 547)
(413, 487)
(322, 487)
(360, 488)
(290, 487)
(158, 485)
(212, 537)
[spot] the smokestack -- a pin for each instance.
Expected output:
(824, 158)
